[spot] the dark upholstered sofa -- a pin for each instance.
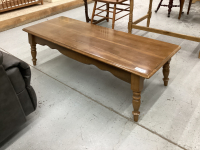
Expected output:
(17, 97)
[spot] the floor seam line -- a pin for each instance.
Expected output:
(109, 108)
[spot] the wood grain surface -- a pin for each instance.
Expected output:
(128, 57)
(135, 54)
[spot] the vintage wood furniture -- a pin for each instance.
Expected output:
(181, 7)
(170, 5)
(133, 24)
(86, 11)
(107, 10)
(189, 6)
(129, 57)
(6, 5)
(190, 3)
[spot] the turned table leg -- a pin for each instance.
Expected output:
(166, 72)
(136, 86)
(33, 48)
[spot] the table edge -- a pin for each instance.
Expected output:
(147, 76)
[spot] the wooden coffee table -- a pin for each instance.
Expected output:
(129, 57)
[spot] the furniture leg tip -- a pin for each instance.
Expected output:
(136, 118)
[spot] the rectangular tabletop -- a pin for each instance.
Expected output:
(135, 54)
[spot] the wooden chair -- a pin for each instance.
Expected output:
(107, 4)
(170, 5)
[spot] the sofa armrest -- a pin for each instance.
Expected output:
(10, 61)
(11, 112)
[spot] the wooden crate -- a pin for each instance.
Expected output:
(6, 5)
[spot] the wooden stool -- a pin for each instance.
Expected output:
(170, 5)
(107, 4)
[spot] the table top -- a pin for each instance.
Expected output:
(135, 54)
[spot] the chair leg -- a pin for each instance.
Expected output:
(107, 8)
(130, 17)
(170, 7)
(114, 14)
(159, 6)
(181, 8)
(149, 12)
(190, 3)
(93, 13)
(86, 11)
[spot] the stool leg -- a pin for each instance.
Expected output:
(189, 7)
(107, 8)
(170, 7)
(114, 14)
(93, 13)
(159, 6)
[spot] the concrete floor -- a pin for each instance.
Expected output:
(82, 107)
